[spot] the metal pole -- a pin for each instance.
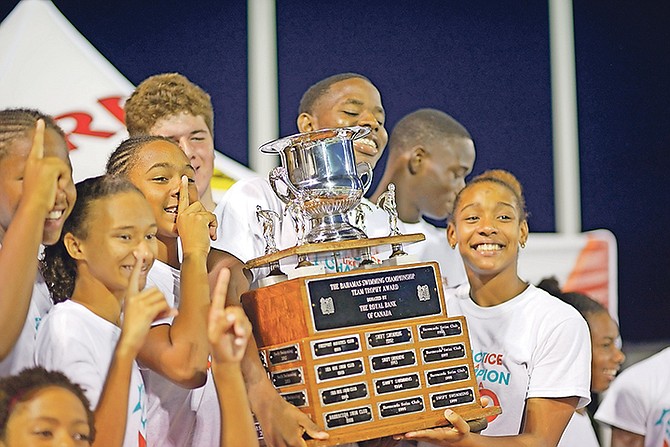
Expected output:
(564, 117)
(263, 84)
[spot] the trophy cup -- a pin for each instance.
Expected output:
(369, 352)
(319, 173)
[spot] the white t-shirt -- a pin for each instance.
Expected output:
(638, 400)
(240, 234)
(81, 344)
(23, 354)
(533, 345)
(436, 248)
(579, 432)
(178, 416)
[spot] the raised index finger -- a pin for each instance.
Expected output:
(134, 282)
(183, 195)
(221, 289)
(37, 149)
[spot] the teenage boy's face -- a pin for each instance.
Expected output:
(12, 168)
(352, 102)
(194, 138)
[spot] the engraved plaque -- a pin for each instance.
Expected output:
(447, 375)
(451, 398)
(287, 377)
(443, 352)
(348, 417)
(388, 338)
(392, 360)
(284, 355)
(397, 383)
(401, 406)
(340, 369)
(296, 398)
(324, 348)
(440, 330)
(373, 297)
(344, 393)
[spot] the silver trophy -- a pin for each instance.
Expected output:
(319, 174)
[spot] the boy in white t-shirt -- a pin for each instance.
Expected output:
(429, 156)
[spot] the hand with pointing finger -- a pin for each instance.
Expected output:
(47, 180)
(141, 307)
(229, 328)
(196, 226)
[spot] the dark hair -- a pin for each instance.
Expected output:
(58, 268)
(17, 123)
(316, 91)
(583, 303)
(23, 386)
(122, 160)
(425, 126)
(500, 177)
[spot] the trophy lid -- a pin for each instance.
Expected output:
(306, 138)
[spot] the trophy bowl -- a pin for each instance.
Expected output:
(319, 175)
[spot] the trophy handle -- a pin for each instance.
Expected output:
(364, 169)
(279, 174)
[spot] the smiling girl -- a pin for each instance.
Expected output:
(181, 411)
(540, 345)
(36, 196)
(96, 272)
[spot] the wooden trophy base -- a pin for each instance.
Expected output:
(367, 353)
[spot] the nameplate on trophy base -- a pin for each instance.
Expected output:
(452, 398)
(284, 355)
(324, 348)
(339, 370)
(397, 383)
(344, 393)
(367, 353)
(401, 407)
(443, 352)
(447, 375)
(440, 330)
(296, 398)
(388, 338)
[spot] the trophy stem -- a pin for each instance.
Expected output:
(332, 228)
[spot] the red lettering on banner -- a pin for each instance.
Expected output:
(113, 106)
(82, 127)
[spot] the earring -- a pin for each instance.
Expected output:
(523, 245)
(453, 246)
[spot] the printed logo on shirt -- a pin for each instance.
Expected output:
(139, 407)
(489, 368)
(664, 423)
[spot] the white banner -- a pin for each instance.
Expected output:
(46, 64)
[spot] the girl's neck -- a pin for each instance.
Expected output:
(92, 294)
(168, 251)
(488, 291)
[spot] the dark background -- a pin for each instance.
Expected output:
(483, 61)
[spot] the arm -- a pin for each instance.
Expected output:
(623, 438)
(545, 420)
(43, 179)
(228, 332)
(179, 351)
(140, 309)
(283, 424)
